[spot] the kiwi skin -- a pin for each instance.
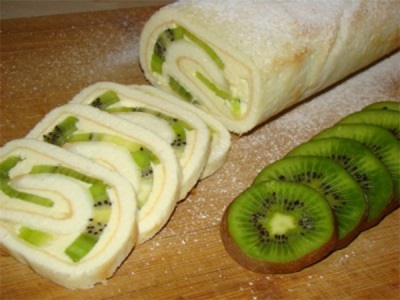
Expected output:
(265, 267)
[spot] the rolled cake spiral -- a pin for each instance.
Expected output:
(71, 220)
(246, 61)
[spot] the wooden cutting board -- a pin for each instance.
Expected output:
(45, 61)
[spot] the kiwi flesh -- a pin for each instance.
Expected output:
(388, 119)
(278, 227)
(343, 194)
(34, 237)
(61, 132)
(378, 140)
(366, 169)
(385, 105)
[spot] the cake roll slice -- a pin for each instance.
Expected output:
(183, 130)
(142, 157)
(246, 61)
(71, 220)
(220, 136)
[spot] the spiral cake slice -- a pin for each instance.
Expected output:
(220, 137)
(146, 160)
(183, 130)
(246, 61)
(71, 220)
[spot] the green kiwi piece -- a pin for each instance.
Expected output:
(278, 227)
(385, 105)
(58, 169)
(378, 140)
(178, 89)
(160, 48)
(388, 119)
(340, 190)
(105, 100)
(62, 131)
(97, 223)
(366, 169)
(5, 167)
(34, 237)
(233, 102)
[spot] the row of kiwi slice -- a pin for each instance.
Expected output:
(320, 195)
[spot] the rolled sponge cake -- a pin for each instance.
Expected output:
(51, 221)
(246, 61)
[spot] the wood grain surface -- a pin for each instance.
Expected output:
(45, 61)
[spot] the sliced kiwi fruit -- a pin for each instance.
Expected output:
(97, 223)
(160, 47)
(34, 237)
(106, 99)
(385, 105)
(233, 102)
(388, 119)
(366, 169)
(378, 140)
(278, 227)
(62, 131)
(183, 93)
(340, 190)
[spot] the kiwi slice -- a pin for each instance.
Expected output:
(178, 89)
(343, 194)
(97, 223)
(388, 119)
(34, 237)
(366, 169)
(385, 105)
(105, 100)
(62, 131)
(378, 140)
(278, 227)
(233, 102)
